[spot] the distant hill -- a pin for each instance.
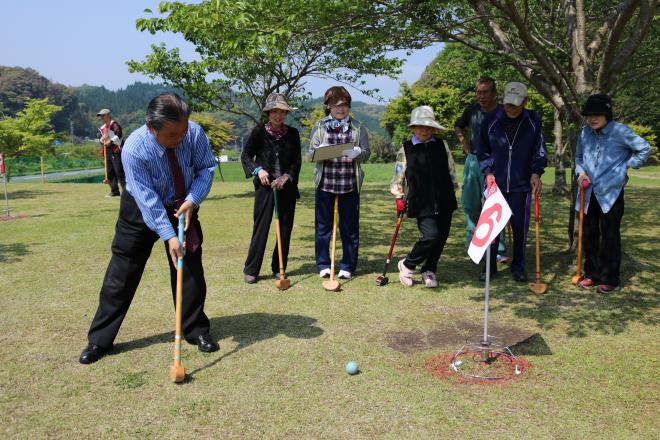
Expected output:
(127, 105)
(133, 98)
(368, 114)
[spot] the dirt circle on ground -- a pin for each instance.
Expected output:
(440, 367)
(5, 218)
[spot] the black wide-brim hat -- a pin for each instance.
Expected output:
(598, 104)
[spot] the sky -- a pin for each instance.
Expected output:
(75, 42)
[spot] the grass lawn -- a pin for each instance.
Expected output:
(280, 369)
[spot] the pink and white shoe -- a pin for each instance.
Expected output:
(405, 274)
(429, 279)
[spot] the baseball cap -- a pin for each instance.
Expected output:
(103, 111)
(515, 93)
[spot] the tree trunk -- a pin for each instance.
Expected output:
(560, 187)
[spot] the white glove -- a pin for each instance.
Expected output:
(352, 153)
(113, 137)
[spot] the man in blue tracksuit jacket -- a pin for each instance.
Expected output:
(512, 154)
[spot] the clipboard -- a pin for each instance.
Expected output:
(324, 152)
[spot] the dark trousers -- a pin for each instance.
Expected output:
(434, 231)
(519, 202)
(602, 242)
(349, 228)
(115, 172)
(264, 203)
(131, 248)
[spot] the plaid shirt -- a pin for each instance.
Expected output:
(338, 173)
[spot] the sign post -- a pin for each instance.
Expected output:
(4, 179)
(495, 214)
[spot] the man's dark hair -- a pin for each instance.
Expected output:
(166, 107)
(487, 80)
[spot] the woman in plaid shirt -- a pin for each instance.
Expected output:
(340, 177)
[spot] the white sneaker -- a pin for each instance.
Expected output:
(429, 279)
(344, 274)
(325, 273)
(405, 274)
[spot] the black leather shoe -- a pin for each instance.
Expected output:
(482, 275)
(519, 276)
(205, 343)
(92, 353)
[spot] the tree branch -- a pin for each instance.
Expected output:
(616, 57)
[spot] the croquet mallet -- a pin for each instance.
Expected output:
(381, 280)
(578, 271)
(177, 371)
(538, 286)
(333, 284)
(283, 282)
(105, 159)
(105, 164)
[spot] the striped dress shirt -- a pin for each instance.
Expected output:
(149, 177)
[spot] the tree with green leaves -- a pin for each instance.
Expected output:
(218, 132)
(30, 132)
(445, 100)
(248, 49)
(566, 49)
(447, 84)
(18, 84)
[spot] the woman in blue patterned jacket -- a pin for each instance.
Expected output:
(605, 151)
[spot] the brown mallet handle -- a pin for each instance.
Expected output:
(537, 217)
(277, 231)
(334, 238)
(578, 270)
(105, 163)
(179, 296)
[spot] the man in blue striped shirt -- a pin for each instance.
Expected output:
(169, 169)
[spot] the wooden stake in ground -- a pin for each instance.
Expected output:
(333, 284)
(538, 286)
(578, 271)
(283, 283)
(177, 371)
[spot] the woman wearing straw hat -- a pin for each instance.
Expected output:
(272, 157)
(424, 184)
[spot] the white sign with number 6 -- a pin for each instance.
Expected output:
(495, 214)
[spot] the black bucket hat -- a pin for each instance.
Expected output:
(599, 104)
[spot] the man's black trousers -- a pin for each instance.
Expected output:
(131, 248)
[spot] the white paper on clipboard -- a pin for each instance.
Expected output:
(325, 152)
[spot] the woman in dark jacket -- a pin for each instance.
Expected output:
(272, 157)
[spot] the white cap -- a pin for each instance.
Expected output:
(515, 93)
(424, 115)
(103, 111)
